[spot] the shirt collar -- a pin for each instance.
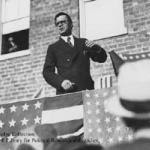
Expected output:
(71, 39)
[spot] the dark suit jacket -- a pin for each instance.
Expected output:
(138, 144)
(71, 63)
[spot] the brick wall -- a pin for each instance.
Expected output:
(21, 78)
(137, 21)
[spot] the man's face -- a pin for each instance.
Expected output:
(63, 25)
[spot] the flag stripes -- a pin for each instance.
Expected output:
(65, 113)
(62, 101)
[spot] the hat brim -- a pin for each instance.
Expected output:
(114, 106)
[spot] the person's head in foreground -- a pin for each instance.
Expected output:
(132, 103)
(89, 147)
(25, 147)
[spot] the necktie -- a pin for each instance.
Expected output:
(69, 41)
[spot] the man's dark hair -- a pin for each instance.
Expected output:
(61, 14)
(136, 124)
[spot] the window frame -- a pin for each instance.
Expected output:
(18, 27)
(19, 16)
(82, 19)
(15, 54)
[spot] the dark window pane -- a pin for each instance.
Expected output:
(15, 41)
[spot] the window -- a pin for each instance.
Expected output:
(15, 25)
(101, 18)
(15, 41)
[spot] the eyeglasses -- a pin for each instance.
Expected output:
(61, 22)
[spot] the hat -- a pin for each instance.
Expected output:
(133, 97)
(25, 147)
(32, 139)
(47, 133)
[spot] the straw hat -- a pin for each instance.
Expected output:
(133, 98)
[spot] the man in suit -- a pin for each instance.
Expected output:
(133, 104)
(71, 56)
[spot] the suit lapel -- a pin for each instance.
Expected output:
(76, 49)
(77, 44)
(72, 51)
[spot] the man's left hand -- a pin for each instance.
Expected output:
(89, 44)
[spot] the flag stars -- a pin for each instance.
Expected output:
(107, 120)
(98, 120)
(89, 112)
(37, 105)
(130, 57)
(12, 123)
(109, 130)
(90, 130)
(97, 111)
(105, 94)
(99, 130)
(120, 139)
(118, 128)
(87, 95)
(25, 107)
(110, 140)
(137, 57)
(96, 95)
(117, 119)
(13, 108)
(24, 121)
(143, 55)
(89, 121)
(2, 109)
(37, 120)
(97, 103)
(1, 124)
(105, 110)
(125, 58)
(113, 91)
(88, 103)
(130, 137)
(10, 137)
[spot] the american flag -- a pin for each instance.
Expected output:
(135, 57)
(118, 60)
(101, 126)
(64, 113)
(19, 115)
(69, 114)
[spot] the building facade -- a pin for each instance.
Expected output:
(32, 27)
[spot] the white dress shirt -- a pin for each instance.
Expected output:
(71, 39)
